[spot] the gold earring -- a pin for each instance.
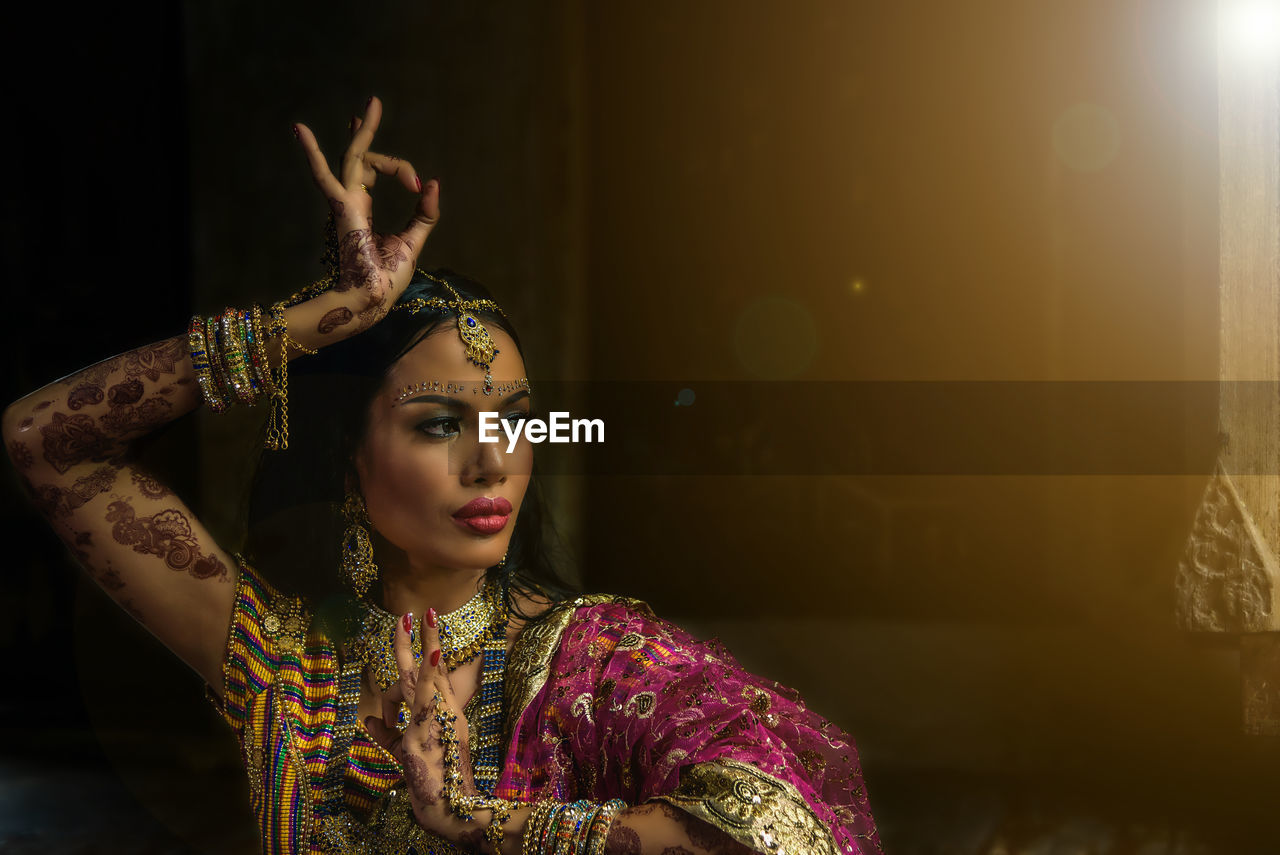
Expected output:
(358, 568)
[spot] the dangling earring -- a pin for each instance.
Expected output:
(358, 568)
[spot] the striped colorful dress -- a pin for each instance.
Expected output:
(602, 700)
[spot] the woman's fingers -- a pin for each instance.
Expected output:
(423, 221)
(433, 674)
(405, 688)
(320, 172)
(400, 168)
(426, 671)
(353, 165)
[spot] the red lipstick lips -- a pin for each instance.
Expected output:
(484, 515)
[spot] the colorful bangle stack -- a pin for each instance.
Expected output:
(229, 354)
(569, 828)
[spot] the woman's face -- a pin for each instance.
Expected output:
(421, 461)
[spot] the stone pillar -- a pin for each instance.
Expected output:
(1227, 579)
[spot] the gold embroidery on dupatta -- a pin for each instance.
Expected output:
(752, 807)
(529, 662)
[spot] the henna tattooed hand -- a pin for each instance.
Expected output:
(419, 749)
(374, 269)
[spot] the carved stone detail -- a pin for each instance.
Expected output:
(1226, 576)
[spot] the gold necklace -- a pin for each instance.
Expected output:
(462, 634)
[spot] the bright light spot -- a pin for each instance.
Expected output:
(1250, 27)
(1086, 137)
(857, 286)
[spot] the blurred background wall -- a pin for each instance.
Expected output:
(769, 206)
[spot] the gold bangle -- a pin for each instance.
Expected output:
(256, 345)
(198, 348)
(534, 828)
(233, 357)
(217, 367)
(598, 829)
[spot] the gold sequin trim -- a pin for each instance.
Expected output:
(754, 808)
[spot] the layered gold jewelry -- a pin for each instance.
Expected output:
(359, 570)
(463, 634)
(462, 805)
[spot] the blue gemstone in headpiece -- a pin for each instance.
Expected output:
(471, 322)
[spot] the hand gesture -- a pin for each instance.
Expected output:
(426, 689)
(374, 269)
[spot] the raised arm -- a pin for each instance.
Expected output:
(72, 440)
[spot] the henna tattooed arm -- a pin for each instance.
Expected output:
(71, 444)
(71, 440)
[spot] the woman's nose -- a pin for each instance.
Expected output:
(486, 463)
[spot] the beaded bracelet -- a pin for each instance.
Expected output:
(568, 835)
(233, 356)
(598, 831)
(200, 362)
(217, 369)
(256, 341)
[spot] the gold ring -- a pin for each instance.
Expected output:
(403, 717)
(365, 189)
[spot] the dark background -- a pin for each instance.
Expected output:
(697, 195)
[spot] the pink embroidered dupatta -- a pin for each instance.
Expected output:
(617, 702)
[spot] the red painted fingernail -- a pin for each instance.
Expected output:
(435, 658)
(369, 103)
(407, 622)
(431, 618)
(418, 180)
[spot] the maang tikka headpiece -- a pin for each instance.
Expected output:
(475, 338)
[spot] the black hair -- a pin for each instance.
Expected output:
(295, 524)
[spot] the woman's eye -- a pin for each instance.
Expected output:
(517, 419)
(441, 428)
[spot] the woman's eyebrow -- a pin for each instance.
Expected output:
(450, 401)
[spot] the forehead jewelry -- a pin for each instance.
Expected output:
(475, 338)
(450, 388)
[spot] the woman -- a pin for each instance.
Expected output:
(452, 694)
